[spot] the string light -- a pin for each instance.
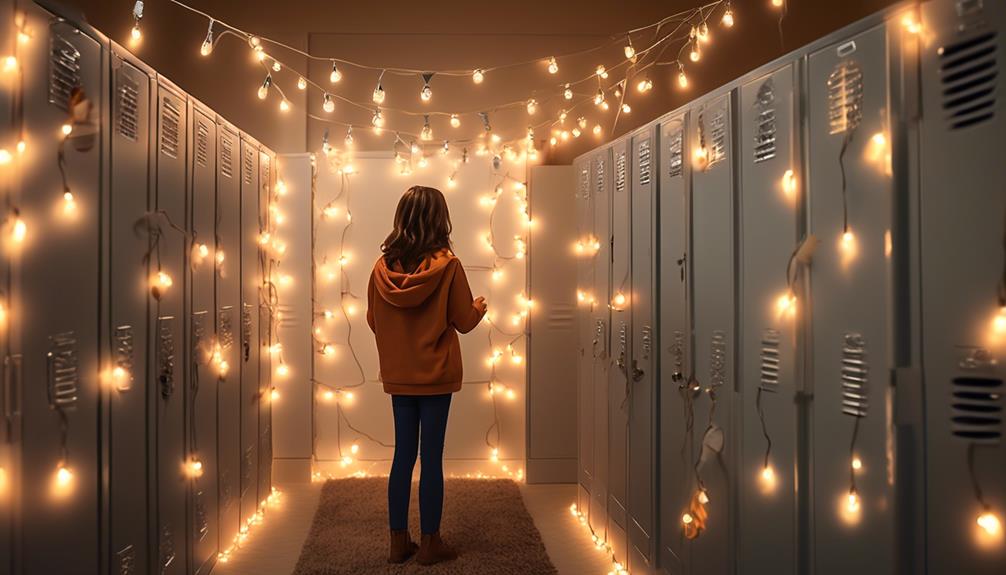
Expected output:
(329, 104)
(682, 78)
(427, 132)
(19, 230)
(989, 522)
(284, 105)
(64, 476)
(532, 107)
(378, 95)
(599, 97)
(626, 108)
(597, 129)
(645, 85)
(695, 54)
(852, 502)
(263, 91)
(630, 51)
(426, 94)
(135, 34)
(478, 76)
(302, 83)
(336, 76)
(553, 66)
(601, 72)
(999, 322)
(703, 33)
(728, 16)
(455, 121)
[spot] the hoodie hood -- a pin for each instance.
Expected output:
(406, 290)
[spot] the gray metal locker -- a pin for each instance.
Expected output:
(851, 426)
(267, 185)
(132, 87)
(228, 302)
(601, 186)
(675, 444)
(963, 203)
(251, 283)
(712, 412)
(168, 336)
(203, 374)
(642, 361)
(56, 379)
(9, 136)
(585, 369)
(769, 206)
(621, 348)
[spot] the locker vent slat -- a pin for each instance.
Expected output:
(247, 166)
(644, 162)
(165, 356)
(201, 517)
(676, 163)
(202, 144)
(854, 375)
(246, 470)
(976, 408)
(127, 104)
(225, 327)
(63, 376)
(765, 130)
(770, 360)
(64, 71)
(620, 172)
(600, 176)
(127, 560)
(584, 189)
(845, 97)
(171, 121)
(969, 73)
(718, 359)
(719, 136)
(166, 547)
(227, 157)
(124, 349)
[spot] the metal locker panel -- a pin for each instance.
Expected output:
(601, 186)
(584, 251)
(267, 183)
(620, 339)
(769, 214)
(712, 409)
(168, 336)
(962, 230)
(132, 88)
(57, 290)
(848, 117)
(203, 374)
(642, 367)
(251, 282)
(228, 328)
(8, 417)
(675, 450)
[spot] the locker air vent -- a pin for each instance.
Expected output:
(765, 129)
(124, 357)
(718, 151)
(584, 189)
(675, 164)
(644, 162)
(166, 548)
(171, 122)
(246, 329)
(770, 360)
(266, 171)
(845, 97)
(246, 166)
(202, 144)
(678, 353)
(620, 172)
(64, 71)
(227, 157)
(165, 356)
(127, 104)
(969, 72)
(62, 371)
(246, 470)
(855, 372)
(200, 347)
(225, 327)
(977, 408)
(718, 359)
(600, 176)
(126, 558)
(226, 489)
(202, 518)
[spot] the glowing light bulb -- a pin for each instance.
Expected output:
(553, 66)
(194, 468)
(687, 518)
(274, 394)
(856, 463)
(5, 157)
(328, 395)
(263, 90)
(626, 109)
(282, 370)
(999, 322)
(378, 95)
(599, 97)
(336, 75)
(63, 476)
(852, 502)
(789, 183)
(328, 349)
(619, 300)
(767, 475)
(703, 33)
(495, 455)
(597, 129)
(19, 231)
(695, 55)
(701, 158)
(847, 240)
(302, 83)
(10, 64)
(567, 92)
(630, 51)
(135, 35)
(786, 304)
(989, 522)
(377, 121)
(682, 79)
(910, 23)
(276, 66)
(67, 129)
(532, 107)
(426, 94)
(777, 3)
(644, 85)
(601, 71)
(162, 280)
(478, 76)
(455, 121)
(703, 497)
(284, 105)
(728, 17)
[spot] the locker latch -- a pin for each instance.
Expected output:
(637, 374)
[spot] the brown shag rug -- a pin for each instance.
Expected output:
(485, 520)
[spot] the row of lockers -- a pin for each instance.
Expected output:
(793, 312)
(136, 434)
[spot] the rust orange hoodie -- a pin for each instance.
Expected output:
(416, 318)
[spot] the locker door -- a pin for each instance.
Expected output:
(769, 212)
(712, 410)
(228, 302)
(642, 366)
(675, 347)
(132, 88)
(251, 280)
(621, 344)
(57, 295)
(847, 106)
(168, 334)
(8, 469)
(585, 371)
(601, 337)
(203, 374)
(962, 225)
(267, 183)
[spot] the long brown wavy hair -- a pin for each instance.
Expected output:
(422, 227)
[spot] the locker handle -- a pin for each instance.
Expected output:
(637, 374)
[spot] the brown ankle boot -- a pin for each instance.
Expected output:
(402, 547)
(433, 549)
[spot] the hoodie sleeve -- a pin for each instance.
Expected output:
(370, 303)
(461, 312)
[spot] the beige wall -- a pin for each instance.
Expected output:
(446, 34)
